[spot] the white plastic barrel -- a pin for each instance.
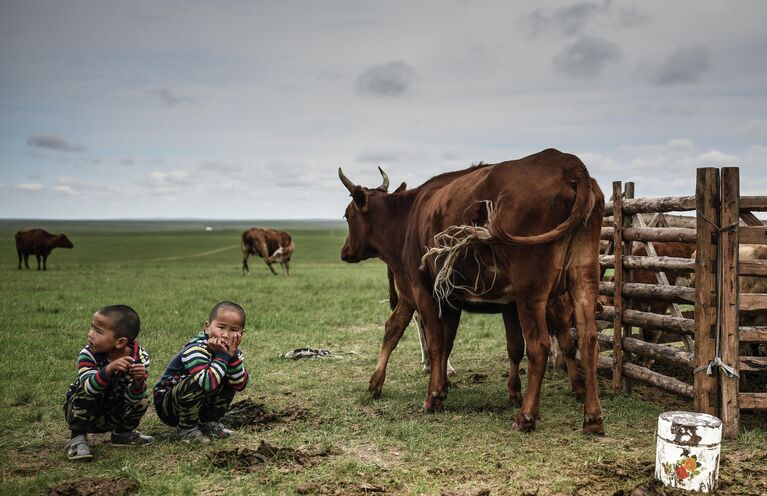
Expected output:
(687, 452)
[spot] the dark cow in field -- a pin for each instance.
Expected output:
(39, 243)
(271, 245)
(502, 238)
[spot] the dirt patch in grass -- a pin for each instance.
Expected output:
(343, 487)
(249, 413)
(31, 464)
(251, 460)
(384, 458)
(741, 473)
(96, 486)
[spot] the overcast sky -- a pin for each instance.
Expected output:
(245, 110)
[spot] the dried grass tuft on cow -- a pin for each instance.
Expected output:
(39, 243)
(510, 237)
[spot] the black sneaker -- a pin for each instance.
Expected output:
(215, 430)
(77, 448)
(132, 438)
(191, 435)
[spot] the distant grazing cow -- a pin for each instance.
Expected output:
(269, 244)
(39, 243)
(500, 238)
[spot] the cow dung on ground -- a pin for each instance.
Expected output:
(96, 486)
(248, 412)
(251, 460)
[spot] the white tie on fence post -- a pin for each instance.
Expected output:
(687, 451)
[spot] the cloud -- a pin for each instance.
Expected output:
(568, 21)
(380, 157)
(677, 145)
(587, 57)
(716, 158)
(629, 18)
(52, 142)
(169, 98)
(683, 65)
(755, 128)
(29, 187)
(219, 168)
(391, 79)
(169, 179)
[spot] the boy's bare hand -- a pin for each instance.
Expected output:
(234, 343)
(122, 364)
(138, 373)
(218, 345)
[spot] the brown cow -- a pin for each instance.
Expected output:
(39, 243)
(752, 284)
(662, 249)
(559, 312)
(450, 246)
(269, 244)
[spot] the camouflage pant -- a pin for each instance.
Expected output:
(85, 412)
(186, 404)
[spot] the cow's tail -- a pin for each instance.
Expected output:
(393, 295)
(584, 203)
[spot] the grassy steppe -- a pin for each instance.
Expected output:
(172, 273)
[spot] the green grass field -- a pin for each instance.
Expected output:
(173, 273)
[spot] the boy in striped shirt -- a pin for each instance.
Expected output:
(201, 380)
(110, 392)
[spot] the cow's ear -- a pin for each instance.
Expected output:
(360, 198)
(402, 187)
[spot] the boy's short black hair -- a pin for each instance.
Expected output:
(226, 305)
(125, 321)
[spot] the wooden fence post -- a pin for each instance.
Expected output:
(728, 341)
(628, 193)
(618, 278)
(707, 205)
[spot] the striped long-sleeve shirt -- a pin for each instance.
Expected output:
(208, 368)
(93, 377)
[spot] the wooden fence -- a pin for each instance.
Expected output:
(723, 220)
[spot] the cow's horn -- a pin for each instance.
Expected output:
(385, 185)
(347, 182)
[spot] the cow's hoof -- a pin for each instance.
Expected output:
(594, 425)
(524, 423)
(434, 402)
(515, 398)
(375, 388)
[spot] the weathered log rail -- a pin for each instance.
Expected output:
(717, 202)
(647, 376)
(632, 262)
(645, 234)
(667, 294)
(651, 320)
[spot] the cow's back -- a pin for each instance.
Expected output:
(28, 240)
(535, 194)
